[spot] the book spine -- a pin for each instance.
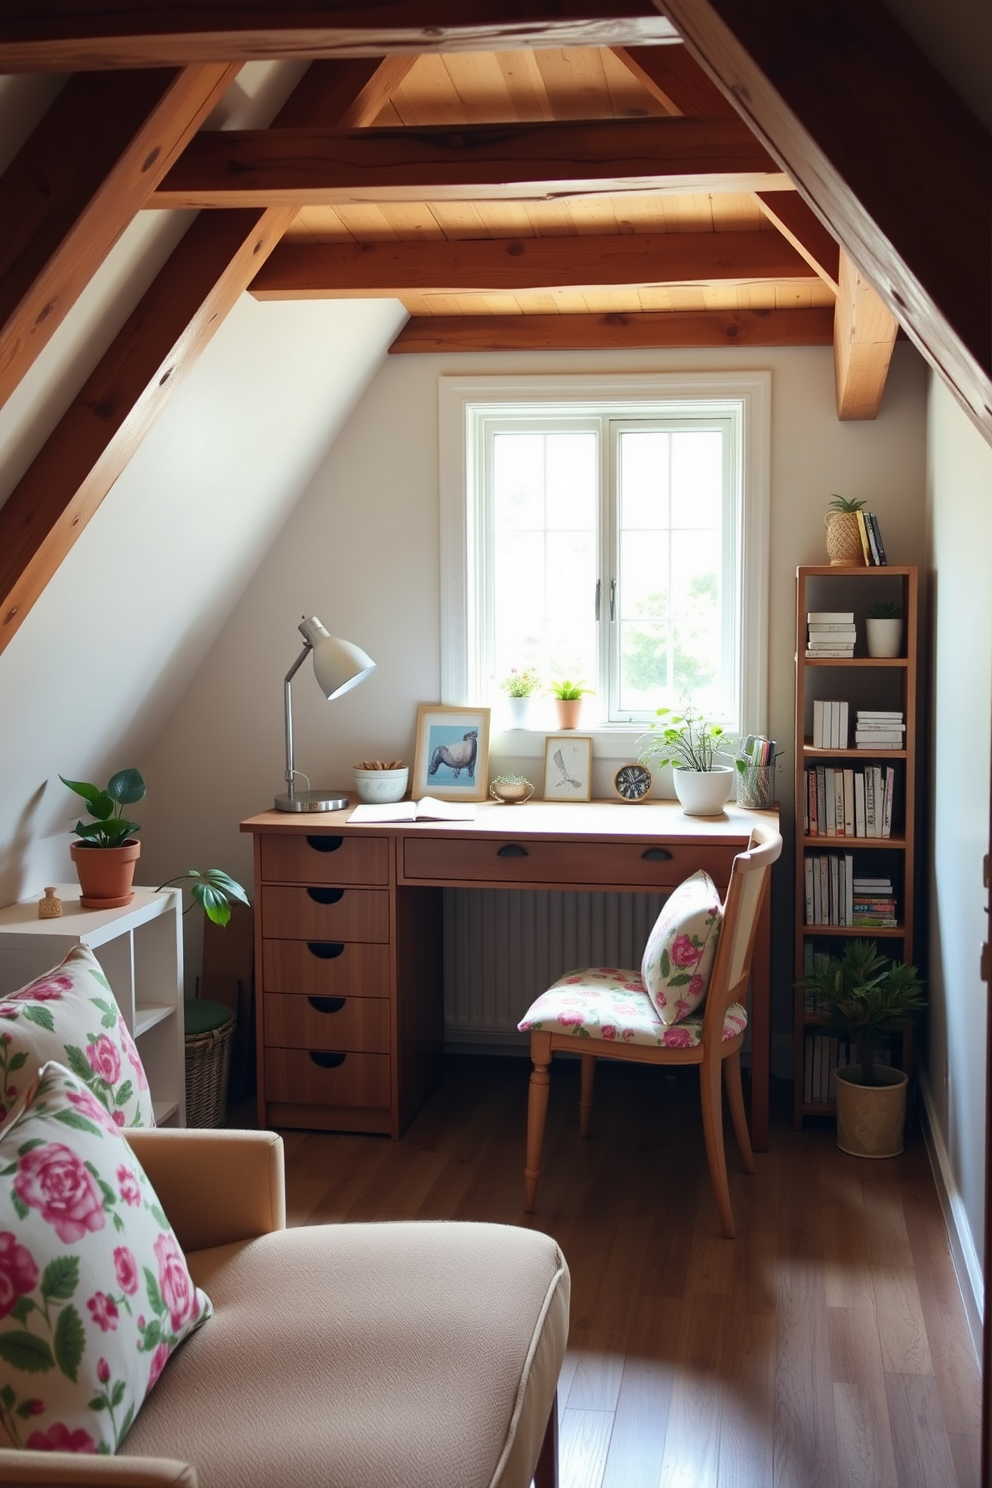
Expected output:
(818, 723)
(821, 801)
(840, 815)
(830, 797)
(890, 787)
(809, 890)
(849, 803)
(871, 539)
(863, 534)
(876, 533)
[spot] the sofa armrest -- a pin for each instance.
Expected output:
(217, 1187)
(53, 1469)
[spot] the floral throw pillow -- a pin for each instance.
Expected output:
(70, 1014)
(94, 1289)
(678, 957)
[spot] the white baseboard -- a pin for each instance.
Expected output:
(967, 1263)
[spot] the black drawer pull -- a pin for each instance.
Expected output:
(512, 850)
(656, 855)
(326, 1004)
(327, 1060)
(326, 950)
(325, 844)
(326, 896)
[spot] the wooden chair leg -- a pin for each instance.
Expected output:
(735, 1099)
(537, 1111)
(711, 1097)
(588, 1076)
(546, 1472)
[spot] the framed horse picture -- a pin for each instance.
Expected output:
(451, 753)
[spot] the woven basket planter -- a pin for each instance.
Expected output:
(208, 1062)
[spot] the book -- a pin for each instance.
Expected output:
(863, 534)
(890, 786)
(830, 800)
(859, 804)
(845, 631)
(830, 617)
(840, 815)
(818, 723)
(808, 883)
(876, 533)
(817, 653)
(428, 808)
(843, 725)
(849, 825)
(872, 713)
(871, 540)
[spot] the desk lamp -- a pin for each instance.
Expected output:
(338, 666)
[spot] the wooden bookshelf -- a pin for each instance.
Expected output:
(862, 682)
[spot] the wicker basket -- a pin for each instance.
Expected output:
(209, 1032)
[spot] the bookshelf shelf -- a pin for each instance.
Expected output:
(862, 682)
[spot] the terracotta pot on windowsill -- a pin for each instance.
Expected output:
(569, 712)
(105, 873)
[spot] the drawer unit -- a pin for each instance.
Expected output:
(325, 968)
(649, 865)
(349, 1023)
(322, 858)
(326, 1077)
(292, 912)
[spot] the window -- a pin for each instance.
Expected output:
(609, 532)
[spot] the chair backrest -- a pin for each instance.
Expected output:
(741, 907)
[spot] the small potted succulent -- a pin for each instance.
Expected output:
(698, 751)
(568, 697)
(521, 686)
(844, 532)
(884, 629)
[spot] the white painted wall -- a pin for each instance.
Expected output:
(960, 541)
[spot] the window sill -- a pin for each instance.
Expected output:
(609, 741)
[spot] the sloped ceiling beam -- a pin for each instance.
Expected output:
(864, 335)
(67, 196)
(204, 277)
(882, 149)
(484, 162)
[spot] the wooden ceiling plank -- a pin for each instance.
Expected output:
(672, 75)
(817, 83)
(82, 175)
(800, 226)
(313, 271)
(864, 335)
(78, 35)
(680, 329)
(283, 167)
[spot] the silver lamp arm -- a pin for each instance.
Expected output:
(288, 705)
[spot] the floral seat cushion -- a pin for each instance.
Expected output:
(606, 1002)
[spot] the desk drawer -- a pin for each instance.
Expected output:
(648, 865)
(324, 858)
(325, 968)
(351, 1023)
(303, 1078)
(324, 913)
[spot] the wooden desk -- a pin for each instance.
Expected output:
(349, 1001)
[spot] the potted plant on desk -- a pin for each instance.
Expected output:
(697, 751)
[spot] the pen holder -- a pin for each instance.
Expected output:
(756, 787)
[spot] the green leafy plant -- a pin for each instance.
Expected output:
(212, 890)
(110, 827)
(686, 740)
(846, 504)
(521, 684)
(864, 996)
(568, 692)
(884, 609)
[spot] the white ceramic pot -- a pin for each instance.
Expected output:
(703, 792)
(871, 1118)
(884, 637)
(381, 787)
(519, 711)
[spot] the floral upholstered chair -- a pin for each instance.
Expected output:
(686, 1005)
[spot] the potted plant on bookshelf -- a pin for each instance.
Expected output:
(520, 688)
(568, 702)
(884, 629)
(697, 751)
(843, 532)
(864, 996)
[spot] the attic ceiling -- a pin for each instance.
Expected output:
(518, 176)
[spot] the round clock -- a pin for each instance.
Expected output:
(632, 782)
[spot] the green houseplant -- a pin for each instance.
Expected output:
(521, 684)
(843, 531)
(568, 697)
(697, 750)
(883, 628)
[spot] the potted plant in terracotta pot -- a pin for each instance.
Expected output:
(107, 849)
(884, 629)
(697, 751)
(843, 532)
(568, 702)
(863, 996)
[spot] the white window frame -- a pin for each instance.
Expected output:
(462, 568)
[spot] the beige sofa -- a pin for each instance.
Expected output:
(415, 1355)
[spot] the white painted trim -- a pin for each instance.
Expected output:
(967, 1263)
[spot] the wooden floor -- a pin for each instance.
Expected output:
(825, 1347)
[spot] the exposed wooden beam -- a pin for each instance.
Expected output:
(204, 277)
(674, 328)
(300, 271)
(883, 150)
(73, 35)
(483, 162)
(67, 196)
(864, 335)
(800, 226)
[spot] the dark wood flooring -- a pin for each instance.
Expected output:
(825, 1347)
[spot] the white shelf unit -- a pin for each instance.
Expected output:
(140, 948)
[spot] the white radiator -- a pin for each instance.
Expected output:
(504, 946)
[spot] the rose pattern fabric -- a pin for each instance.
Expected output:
(606, 1002)
(680, 950)
(95, 1293)
(70, 1014)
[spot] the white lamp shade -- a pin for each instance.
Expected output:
(338, 665)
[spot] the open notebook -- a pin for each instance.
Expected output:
(428, 808)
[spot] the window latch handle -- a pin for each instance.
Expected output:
(599, 585)
(613, 600)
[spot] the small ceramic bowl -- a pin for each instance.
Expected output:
(512, 790)
(379, 787)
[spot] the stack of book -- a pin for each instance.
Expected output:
(830, 724)
(829, 889)
(871, 540)
(849, 803)
(879, 729)
(874, 903)
(831, 633)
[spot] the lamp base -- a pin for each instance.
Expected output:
(313, 800)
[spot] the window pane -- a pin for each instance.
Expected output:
(643, 478)
(696, 606)
(571, 481)
(697, 479)
(644, 665)
(644, 574)
(518, 480)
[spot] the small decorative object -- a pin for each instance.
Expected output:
(567, 768)
(755, 763)
(632, 782)
(378, 782)
(844, 533)
(451, 761)
(107, 850)
(884, 629)
(862, 997)
(512, 790)
(50, 908)
(695, 749)
(568, 702)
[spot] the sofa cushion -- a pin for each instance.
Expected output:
(70, 1014)
(678, 957)
(94, 1290)
(414, 1355)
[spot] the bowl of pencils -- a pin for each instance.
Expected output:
(379, 782)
